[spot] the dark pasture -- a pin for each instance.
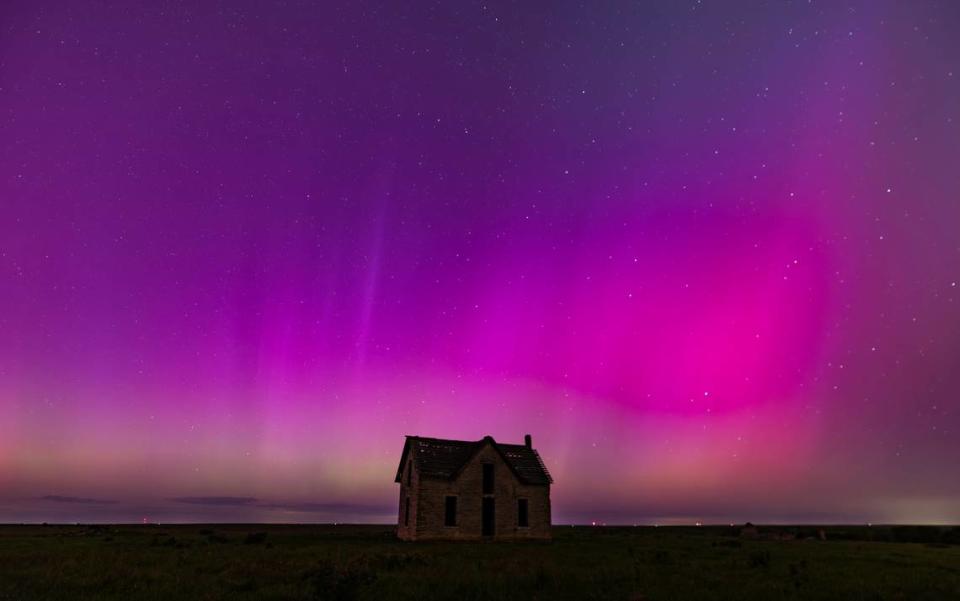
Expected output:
(162, 562)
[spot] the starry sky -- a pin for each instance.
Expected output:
(705, 252)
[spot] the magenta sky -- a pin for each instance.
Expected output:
(706, 253)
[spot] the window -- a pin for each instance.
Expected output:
(523, 515)
(406, 513)
(409, 472)
(488, 478)
(450, 512)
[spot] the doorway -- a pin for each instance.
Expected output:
(488, 516)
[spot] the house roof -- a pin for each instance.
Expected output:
(444, 459)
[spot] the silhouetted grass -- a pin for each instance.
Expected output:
(343, 563)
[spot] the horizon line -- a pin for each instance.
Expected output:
(563, 525)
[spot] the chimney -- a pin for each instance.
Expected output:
(528, 440)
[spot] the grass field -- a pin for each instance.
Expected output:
(366, 562)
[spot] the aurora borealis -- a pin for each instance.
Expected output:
(706, 253)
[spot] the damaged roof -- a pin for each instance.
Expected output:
(443, 459)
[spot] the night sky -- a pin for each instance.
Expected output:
(706, 253)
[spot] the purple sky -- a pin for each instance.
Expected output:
(706, 253)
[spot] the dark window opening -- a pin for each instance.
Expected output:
(406, 513)
(523, 515)
(450, 512)
(488, 478)
(409, 472)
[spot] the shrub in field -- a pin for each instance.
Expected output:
(333, 583)
(798, 573)
(759, 558)
(214, 537)
(661, 557)
(542, 578)
(389, 562)
(735, 544)
(169, 541)
(952, 536)
(255, 538)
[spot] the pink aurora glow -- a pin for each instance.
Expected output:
(711, 269)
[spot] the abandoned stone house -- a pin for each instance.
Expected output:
(472, 490)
